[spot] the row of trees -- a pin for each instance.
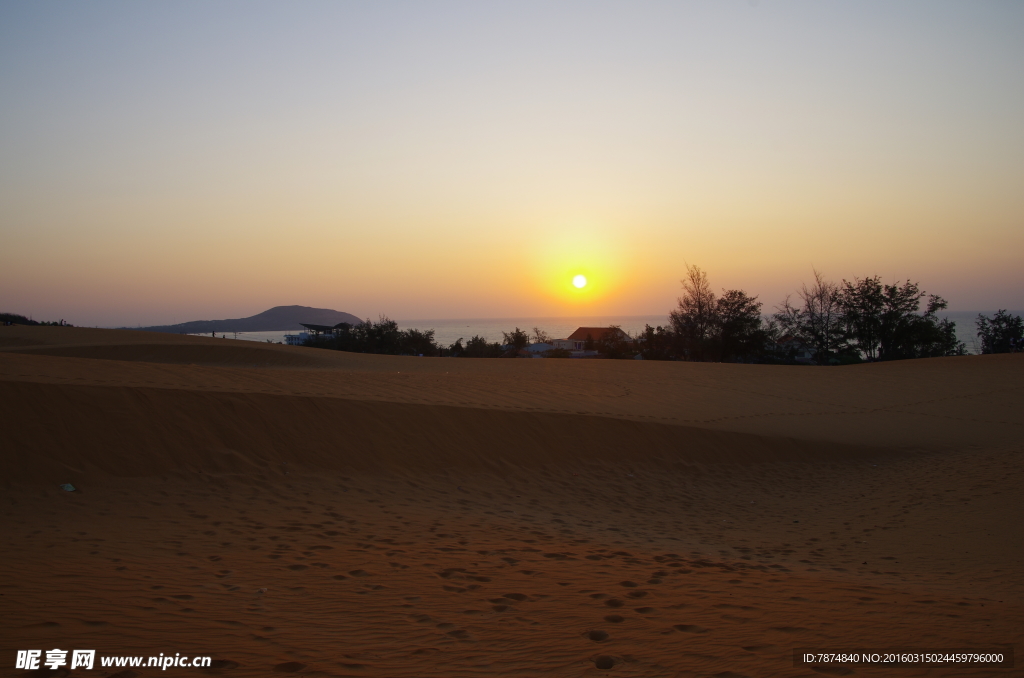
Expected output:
(827, 323)
(16, 319)
(866, 319)
(1002, 333)
(384, 337)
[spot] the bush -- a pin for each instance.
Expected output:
(1002, 333)
(15, 319)
(382, 337)
(478, 347)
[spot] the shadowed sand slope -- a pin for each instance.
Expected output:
(292, 510)
(970, 401)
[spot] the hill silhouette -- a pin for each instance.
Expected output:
(277, 319)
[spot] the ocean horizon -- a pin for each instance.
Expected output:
(448, 330)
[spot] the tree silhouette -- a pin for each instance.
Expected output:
(1002, 333)
(694, 319)
(517, 339)
(818, 321)
(862, 303)
(739, 335)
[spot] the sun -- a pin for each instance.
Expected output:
(580, 281)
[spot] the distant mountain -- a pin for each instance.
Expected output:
(277, 319)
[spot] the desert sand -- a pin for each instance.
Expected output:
(292, 510)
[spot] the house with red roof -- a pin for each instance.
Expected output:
(578, 339)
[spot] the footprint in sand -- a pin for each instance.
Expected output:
(425, 650)
(289, 667)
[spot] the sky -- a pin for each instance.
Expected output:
(174, 161)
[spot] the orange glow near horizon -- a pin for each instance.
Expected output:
(571, 253)
(439, 163)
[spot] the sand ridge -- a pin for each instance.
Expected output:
(925, 404)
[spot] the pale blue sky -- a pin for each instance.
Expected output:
(168, 161)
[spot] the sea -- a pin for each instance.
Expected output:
(448, 330)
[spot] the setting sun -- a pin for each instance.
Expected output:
(580, 281)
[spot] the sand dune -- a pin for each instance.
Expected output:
(412, 516)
